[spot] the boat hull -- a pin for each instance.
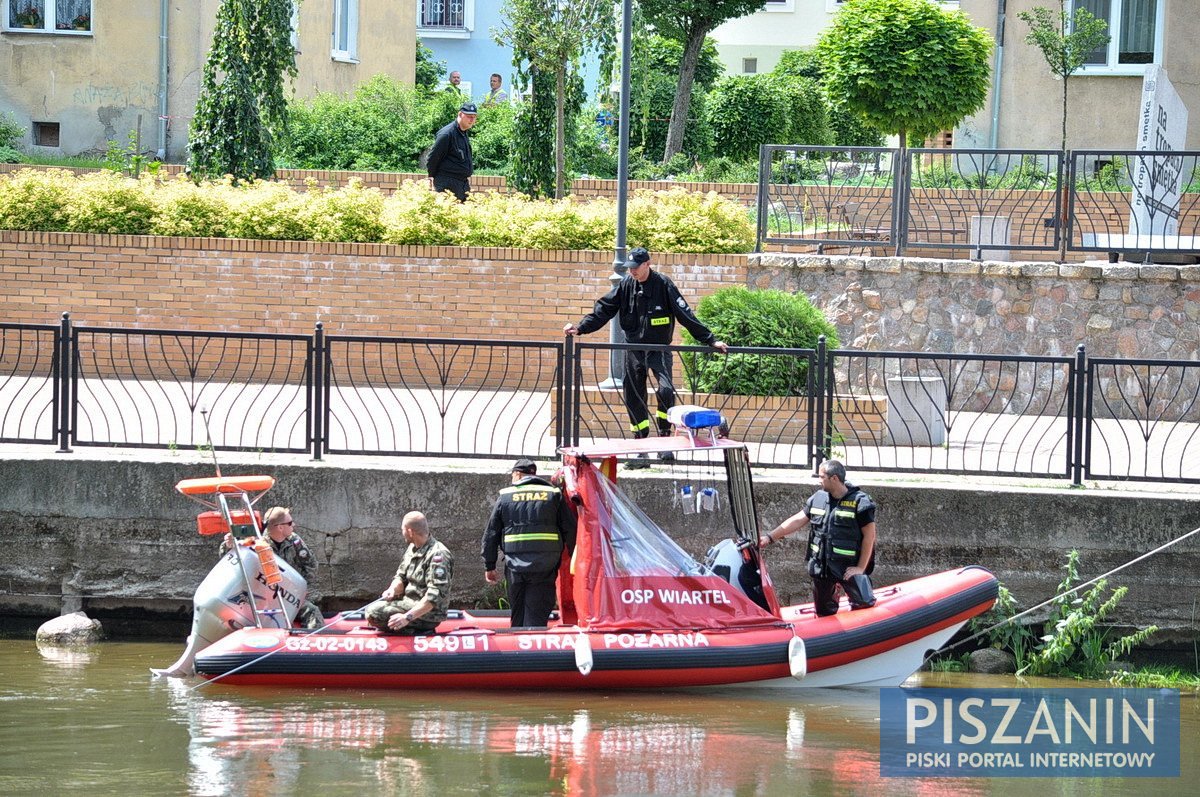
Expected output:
(879, 646)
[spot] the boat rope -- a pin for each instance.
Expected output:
(1047, 602)
(270, 653)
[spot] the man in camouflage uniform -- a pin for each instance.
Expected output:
(289, 547)
(418, 598)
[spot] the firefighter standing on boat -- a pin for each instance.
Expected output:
(841, 540)
(532, 523)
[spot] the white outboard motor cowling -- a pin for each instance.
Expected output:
(221, 604)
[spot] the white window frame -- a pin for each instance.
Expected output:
(345, 16)
(779, 6)
(1110, 66)
(833, 6)
(449, 33)
(49, 20)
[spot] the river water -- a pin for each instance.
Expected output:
(98, 723)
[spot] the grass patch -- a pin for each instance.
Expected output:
(1157, 676)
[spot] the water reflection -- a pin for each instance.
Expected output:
(66, 656)
(615, 744)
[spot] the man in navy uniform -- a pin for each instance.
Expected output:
(647, 304)
(532, 523)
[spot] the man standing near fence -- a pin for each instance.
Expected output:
(648, 304)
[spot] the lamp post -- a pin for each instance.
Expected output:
(616, 358)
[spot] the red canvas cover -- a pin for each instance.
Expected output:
(628, 574)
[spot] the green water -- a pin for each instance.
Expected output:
(98, 723)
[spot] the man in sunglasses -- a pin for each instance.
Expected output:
(288, 546)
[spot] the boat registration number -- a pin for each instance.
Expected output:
(331, 644)
(452, 643)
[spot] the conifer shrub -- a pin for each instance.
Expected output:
(768, 318)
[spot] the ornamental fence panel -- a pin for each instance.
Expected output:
(1071, 418)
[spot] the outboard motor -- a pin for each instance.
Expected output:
(248, 586)
(728, 560)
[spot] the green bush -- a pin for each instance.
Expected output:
(800, 63)
(668, 221)
(11, 132)
(416, 216)
(268, 211)
(491, 137)
(350, 213)
(807, 111)
(727, 170)
(106, 202)
(183, 208)
(36, 199)
(746, 111)
(679, 220)
(742, 317)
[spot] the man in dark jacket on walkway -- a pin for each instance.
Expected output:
(532, 523)
(449, 162)
(648, 304)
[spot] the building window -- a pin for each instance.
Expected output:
(48, 16)
(1135, 35)
(345, 31)
(45, 134)
(446, 19)
(295, 25)
(749, 66)
(779, 5)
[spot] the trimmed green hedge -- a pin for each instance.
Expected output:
(106, 202)
(767, 318)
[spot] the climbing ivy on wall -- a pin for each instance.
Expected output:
(241, 110)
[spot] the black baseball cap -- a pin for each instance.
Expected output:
(638, 256)
(525, 466)
(468, 107)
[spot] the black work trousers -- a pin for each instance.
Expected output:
(459, 187)
(858, 590)
(532, 597)
(638, 365)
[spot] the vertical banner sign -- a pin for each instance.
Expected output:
(1158, 179)
(1029, 733)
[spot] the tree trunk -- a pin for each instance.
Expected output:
(683, 93)
(560, 134)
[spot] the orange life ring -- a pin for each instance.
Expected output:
(225, 484)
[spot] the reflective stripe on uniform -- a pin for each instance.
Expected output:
(637, 427)
(844, 552)
(530, 537)
(662, 416)
(843, 513)
(526, 488)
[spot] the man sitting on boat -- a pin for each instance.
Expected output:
(287, 545)
(418, 598)
(841, 540)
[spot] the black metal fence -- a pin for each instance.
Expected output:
(978, 202)
(1070, 418)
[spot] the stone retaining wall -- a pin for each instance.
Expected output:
(114, 534)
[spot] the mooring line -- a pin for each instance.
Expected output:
(1019, 615)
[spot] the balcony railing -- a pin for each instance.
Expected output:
(444, 14)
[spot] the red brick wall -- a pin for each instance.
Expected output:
(287, 286)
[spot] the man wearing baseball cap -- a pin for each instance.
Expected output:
(648, 304)
(449, 164)
(532, 523)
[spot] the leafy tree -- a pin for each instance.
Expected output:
(429, 71)
(1065, 42)
(241, 110)
(552, 36)
(800, 63)
(655, 74)
(749, 110)
(905, 66)
(845, 128)
(689, 22)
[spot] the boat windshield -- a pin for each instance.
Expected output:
(638, 547)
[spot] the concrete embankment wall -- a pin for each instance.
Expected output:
(113, 534)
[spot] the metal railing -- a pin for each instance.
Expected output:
(978, 202)
(443, 14)
(1070, 418)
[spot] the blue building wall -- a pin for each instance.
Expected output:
(478, 56)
